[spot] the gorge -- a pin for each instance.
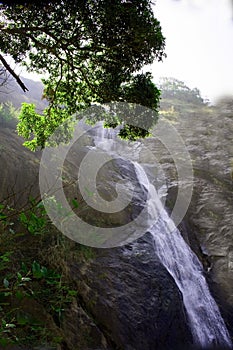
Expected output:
(139, 295)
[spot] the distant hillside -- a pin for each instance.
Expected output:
(14, 94)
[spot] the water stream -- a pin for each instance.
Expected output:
(206, 323)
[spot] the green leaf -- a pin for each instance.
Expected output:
(36, 270)
(19, 276)
(24, 268)
(72, 292)
(6, 283)
(75, 203)
(23, 218)
(2, 216)
(22, 319)
(26, 279)
(44, 271)
(19, 295)
(5, 257)
(10, 325)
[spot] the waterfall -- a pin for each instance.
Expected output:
(207, 326)
(105, 138)
(206, 323)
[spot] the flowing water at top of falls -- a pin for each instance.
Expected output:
(206, 323)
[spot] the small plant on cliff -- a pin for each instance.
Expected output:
(32, 295)
(35, 220)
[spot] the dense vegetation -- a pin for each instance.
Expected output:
(33, 295)
(177, 90)
(89, 51)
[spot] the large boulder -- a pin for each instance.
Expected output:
(131, 298)
(133, 196)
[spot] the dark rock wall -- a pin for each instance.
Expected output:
(132, 298)
(126, 299)
(19, 170)
(207, 226)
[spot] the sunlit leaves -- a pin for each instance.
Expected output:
(91, 52)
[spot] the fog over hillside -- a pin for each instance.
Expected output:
(199, 44)
(12, 92)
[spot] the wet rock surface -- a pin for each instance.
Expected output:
(132, 298)
(126, 298)
(207, 225)
(19, 169)
(116, 178)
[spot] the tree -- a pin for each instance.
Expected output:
(90, 52)
(174, 88)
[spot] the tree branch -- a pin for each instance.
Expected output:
(3, 76)
(62, 41)
(12, 72)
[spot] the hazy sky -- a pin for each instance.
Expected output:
(199, 44)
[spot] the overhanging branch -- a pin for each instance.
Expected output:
(12, 72)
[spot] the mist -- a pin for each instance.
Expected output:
(199, 44)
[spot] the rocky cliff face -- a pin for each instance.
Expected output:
(18, 170)
(211, 212)
(126, 298)
(207, 226)
(130, 298)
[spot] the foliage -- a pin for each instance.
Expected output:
(23, 285)
(35, 220)
(91, 52)
(173, 88)
(36, 128)
(140, 91)
(30, 291)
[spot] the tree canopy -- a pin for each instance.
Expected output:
(89, 51)
(174, 88)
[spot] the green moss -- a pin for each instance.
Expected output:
(86, 252)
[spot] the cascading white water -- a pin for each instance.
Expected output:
(106, 139)
(206, 323)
